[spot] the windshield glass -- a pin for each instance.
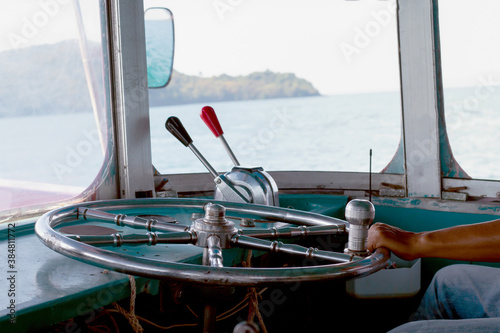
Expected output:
(471, 80)
(296, 85)
(54, 105)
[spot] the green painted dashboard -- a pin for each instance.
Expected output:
(40, 287)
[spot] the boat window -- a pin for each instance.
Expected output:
(296, 85)
(470, 51)
(54, 105)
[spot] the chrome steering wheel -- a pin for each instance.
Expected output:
(214, 232)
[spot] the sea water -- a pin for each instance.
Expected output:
(309, 133)
(331, 133)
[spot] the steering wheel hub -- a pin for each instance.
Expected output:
(214, 223)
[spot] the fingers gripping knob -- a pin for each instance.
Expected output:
(360, 214)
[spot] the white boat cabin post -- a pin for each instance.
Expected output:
(189, 249)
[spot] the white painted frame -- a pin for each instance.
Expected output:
(419, 77)
(133, 138)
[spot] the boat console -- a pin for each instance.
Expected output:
(213, 233)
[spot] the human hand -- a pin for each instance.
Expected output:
(401, 242)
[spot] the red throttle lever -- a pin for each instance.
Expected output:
(208, 115)
(210, 118)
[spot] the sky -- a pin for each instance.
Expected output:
(34, 22)
(288, 36)
(339, 46)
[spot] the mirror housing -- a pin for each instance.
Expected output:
(159, 28)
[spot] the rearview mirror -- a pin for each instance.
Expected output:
(159, 26)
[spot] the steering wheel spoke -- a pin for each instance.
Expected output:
(135, 222)
(291, 249)
(213, 257)
(150, 238)
(292, 232)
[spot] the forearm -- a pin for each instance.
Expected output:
(475, 242)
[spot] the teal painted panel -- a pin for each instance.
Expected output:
(330, 205)
(414, 219)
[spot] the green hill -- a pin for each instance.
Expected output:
(49, 79)
(184, 89)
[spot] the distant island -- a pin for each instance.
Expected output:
(57, 83)
(185, 89)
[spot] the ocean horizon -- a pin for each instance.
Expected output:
(322, 133)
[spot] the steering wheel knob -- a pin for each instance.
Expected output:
(360, 214)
